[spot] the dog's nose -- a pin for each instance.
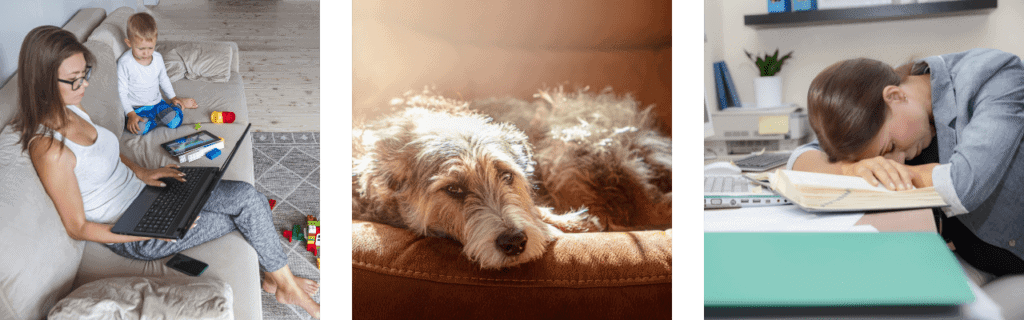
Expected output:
(512, 244)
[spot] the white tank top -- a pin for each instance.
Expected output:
(106, 183)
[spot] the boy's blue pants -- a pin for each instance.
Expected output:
(159, 114)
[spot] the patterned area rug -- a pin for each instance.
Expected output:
(287, 166)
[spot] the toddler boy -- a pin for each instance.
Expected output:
(141, 75)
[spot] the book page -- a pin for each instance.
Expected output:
(827, 192)
(811, 179)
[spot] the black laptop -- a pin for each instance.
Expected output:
(168, 212)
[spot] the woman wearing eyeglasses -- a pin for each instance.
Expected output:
(91, 184)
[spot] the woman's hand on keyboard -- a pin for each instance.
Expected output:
(152, 176)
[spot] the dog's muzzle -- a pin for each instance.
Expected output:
(512, 243)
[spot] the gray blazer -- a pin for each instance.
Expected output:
(978, 107)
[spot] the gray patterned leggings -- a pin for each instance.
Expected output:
(232, 205)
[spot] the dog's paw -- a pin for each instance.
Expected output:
(578, 221)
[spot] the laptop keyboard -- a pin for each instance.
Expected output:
(165, 208)
(763, 161)
(720, 184)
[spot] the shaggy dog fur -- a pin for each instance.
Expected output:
(595, 151)
(440, 170)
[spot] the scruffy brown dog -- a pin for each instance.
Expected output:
(438, 169)
(595, 151)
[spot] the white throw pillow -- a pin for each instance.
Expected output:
(203, 61)
(147, 298)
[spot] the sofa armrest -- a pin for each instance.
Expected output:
(397, 274)
(164, 46)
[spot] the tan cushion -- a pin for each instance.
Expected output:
(231, 258)
(101, 100)
(84, 21)
(112, 30)
(213, 96)
(146, 151)
(203, 61)
(9, 100)
(147, 298)
(609, 275)
(112, 36)
(39, 258)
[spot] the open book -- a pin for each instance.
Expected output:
(819, 192)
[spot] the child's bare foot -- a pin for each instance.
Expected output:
(309, 286)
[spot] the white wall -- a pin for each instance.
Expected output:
(18, 17)
(817, 47)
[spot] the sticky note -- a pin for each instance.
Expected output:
(773, 124)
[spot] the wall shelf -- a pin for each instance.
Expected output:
(865, 14)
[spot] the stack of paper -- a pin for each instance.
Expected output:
(786, 218)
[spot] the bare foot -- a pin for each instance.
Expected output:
(288, 290)
(309, 286)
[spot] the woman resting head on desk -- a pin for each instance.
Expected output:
(952, 121)
(91, 184)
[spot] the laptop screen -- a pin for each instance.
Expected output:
(232, 154)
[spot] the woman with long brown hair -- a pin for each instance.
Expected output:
(91, 184)
(953, 121)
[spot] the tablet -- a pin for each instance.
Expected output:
(190, 142)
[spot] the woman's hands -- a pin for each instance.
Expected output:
(152, 176)
(891, 174)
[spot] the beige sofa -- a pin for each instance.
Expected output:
(41, 264)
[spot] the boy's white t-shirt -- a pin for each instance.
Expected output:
(140, 85)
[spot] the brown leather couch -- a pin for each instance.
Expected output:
(478, 49)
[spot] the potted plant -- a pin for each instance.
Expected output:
(768, 87)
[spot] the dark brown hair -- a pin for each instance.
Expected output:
(845, 105)
(39, 98)
(141, 26)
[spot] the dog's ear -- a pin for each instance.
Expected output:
(391, 155)
(519, 147)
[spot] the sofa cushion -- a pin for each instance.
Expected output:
(146, 151)
(109, 34)
(112, 30)
(213, 96)
(9, 101)
(84, 21)
(147, 298)
(616, 275)
(203, 61)
(40, 259)
(101, 100)
(231, 258)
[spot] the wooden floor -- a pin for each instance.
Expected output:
(279, 53)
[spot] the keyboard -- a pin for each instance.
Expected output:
(762, 162)
(165, 208)
(719, 184)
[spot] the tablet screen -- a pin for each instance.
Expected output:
(184, 143)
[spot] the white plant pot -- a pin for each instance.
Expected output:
(768, 91)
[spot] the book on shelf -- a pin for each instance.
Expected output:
(820, 192)
(726, 89)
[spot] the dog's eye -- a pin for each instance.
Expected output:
(507, 178)
(455, 191)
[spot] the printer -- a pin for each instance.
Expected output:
(749, 130)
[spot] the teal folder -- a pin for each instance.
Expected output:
(831, 269)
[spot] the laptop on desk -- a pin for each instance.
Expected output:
(168, 212)
(728, 190)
